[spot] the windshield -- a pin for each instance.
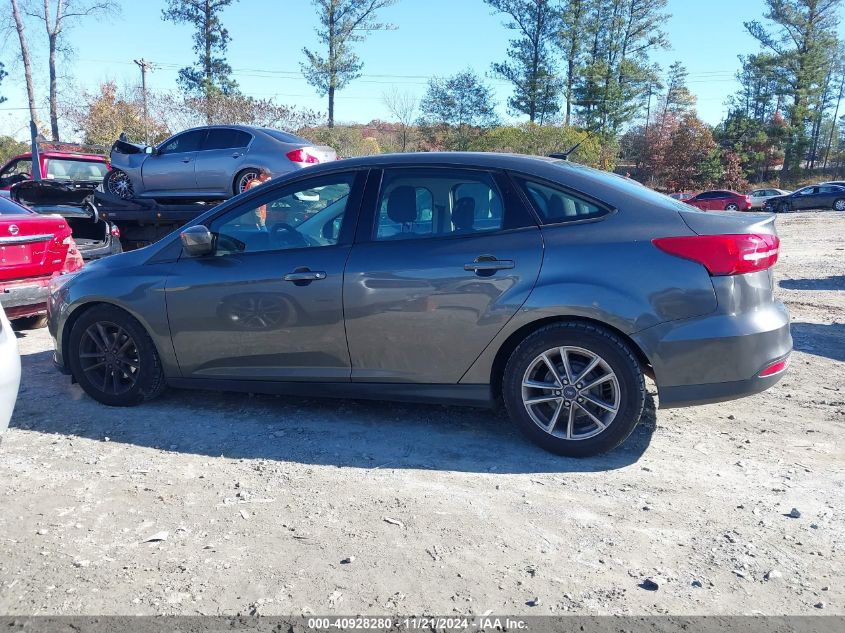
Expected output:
(73, 169)
(284, 137)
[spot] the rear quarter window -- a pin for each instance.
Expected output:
(555, 205)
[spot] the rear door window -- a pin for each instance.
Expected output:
(437, 202)
(227, 138)
(555, 205)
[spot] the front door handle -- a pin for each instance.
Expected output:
(237, 155)
(489, 265)
(305, 277)
(187, 160)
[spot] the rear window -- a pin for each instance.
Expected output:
(70, 169)
(9, 207)
(284, 137)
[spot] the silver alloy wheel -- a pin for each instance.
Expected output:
(571, 393)
(732, 207)
(119, 185)
(839, 205)
(244, 180)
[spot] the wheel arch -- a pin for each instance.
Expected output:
(82, 308)
(505, 350)
(240, 173)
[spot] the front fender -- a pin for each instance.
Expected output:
(145, 302)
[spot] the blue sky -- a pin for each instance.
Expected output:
(434, 37)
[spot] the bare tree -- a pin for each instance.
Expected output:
(57, 16)
(403, 107)
(26, 59)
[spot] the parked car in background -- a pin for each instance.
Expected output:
(827, 196)
(214, 162)
(443, 277)
(759, 196)
(34, 249)
(95, 237)
(10, 371)
(60, 166)
(721, 200)
(682, 196)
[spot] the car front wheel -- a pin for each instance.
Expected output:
(574, 388)
(113, 358)
(118, 184)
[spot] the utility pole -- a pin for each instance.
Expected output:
(144, 65)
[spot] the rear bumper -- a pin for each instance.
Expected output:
(718, 357)
(25, 297)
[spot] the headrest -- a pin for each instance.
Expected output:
(402, 205)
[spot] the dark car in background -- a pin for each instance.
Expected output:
(720, 200)
(824, 196)
(450, 278)
(215, 162)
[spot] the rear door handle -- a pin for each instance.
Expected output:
(187, 160)
(237, 155)
(300, 276)
(489, 265)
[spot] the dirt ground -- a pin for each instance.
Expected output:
(287, 506)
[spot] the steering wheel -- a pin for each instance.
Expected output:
(285, 236)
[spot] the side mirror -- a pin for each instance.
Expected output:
(150, 150)
(197, 241)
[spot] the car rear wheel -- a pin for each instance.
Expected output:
(242, 180)
(117, 183)
(783, 207)
(113, 358)
(732, 207)
(839, 205)
(574, 388)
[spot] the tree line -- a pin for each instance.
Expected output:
(579, 70)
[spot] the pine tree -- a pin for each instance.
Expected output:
(530, 67)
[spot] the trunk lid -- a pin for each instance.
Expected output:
(729, 222)
(32, 245)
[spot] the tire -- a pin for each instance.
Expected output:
(243, 177)
(732, 207)
(839, 205)
(783, 207)
(624, 391)
(102, 329)
(117, 183)
(30, 323)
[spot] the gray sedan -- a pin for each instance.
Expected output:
(208, 163)
(447, 278)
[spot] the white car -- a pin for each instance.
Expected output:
(10, 371)
(759, 196)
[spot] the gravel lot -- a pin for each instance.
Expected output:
(283, 506)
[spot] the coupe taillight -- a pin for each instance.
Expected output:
(302, 157)
(724, 254)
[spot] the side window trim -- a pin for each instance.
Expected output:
(521, 191)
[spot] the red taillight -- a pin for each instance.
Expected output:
(115, 232)
(775, 368)
(302, 156)
(724, 254)
(73, 259)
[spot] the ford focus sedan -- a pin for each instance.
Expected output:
(448, 278)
